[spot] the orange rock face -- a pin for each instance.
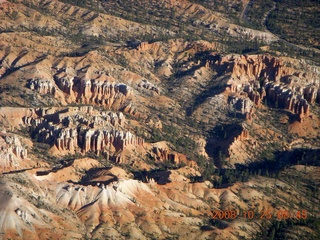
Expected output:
(165, 155)
(94, 91)
(73, 129)
(82, 90)
(264, 79)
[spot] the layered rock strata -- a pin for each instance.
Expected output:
(265, 79)
(118, 193)
(70, 130)
(76, 129)
(284, 97)
(98, 140)
(105, 93)
(244, 68)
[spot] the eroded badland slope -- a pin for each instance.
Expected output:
(144, 119)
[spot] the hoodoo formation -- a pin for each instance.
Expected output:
(168, 119)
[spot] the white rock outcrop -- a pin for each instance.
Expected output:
(12, 153)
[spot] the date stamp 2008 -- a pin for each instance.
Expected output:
(263, 214)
